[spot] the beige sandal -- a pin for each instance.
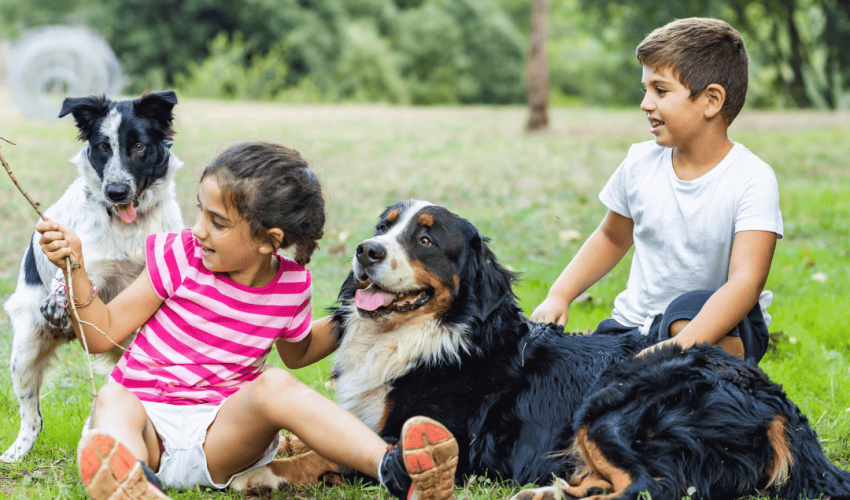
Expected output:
(110, 472)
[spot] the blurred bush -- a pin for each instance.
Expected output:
(398, 51)
(441, 51)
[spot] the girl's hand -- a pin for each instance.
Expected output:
(58, 242)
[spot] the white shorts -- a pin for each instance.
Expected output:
(183, 430)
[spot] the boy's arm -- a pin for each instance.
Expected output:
(749, 265)
(319, 343)
(599, 254)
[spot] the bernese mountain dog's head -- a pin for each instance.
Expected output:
(424, 261)
(418, 292)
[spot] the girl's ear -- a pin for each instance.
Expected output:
(275, 238)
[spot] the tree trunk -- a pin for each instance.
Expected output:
(537, 84)
(797, 86)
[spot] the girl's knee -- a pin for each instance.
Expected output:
(115, 394)
(274, 389)
(277, 381)
(113, 402)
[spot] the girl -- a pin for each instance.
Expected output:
(189, 402)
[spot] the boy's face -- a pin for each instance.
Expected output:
(674, 118)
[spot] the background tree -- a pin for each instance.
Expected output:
(538, 68)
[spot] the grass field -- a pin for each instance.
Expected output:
(535, 196)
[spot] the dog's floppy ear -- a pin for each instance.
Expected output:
(85, 110)
(490, 283)
(158, 106)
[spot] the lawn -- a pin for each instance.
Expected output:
(535, 196)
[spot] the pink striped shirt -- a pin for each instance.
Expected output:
(211, 335)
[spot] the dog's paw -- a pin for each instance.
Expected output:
(22, 445)
(546, 493)
(261, 479)
(54, 311)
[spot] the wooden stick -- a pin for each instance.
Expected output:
(69, 265)
(15, 180)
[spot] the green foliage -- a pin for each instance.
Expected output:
(444, 44)
(229, 73)
(445, 51)
(424, 51)
(429, 52)
(368, 68)
(797, 48)
(496, 47)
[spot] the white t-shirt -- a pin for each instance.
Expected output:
(683, 230)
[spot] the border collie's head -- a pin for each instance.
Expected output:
(426, 261)
(128, 146)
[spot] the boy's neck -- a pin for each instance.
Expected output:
(697, 159)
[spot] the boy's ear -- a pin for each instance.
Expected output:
(715, 98)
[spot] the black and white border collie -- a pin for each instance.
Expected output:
(125, 191)
(428, 325)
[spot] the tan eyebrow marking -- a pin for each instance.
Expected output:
(393, 215)
(426, 219)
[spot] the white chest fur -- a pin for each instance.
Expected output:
(369, 359)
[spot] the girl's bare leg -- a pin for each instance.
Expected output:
(250, 419)
(120, 413)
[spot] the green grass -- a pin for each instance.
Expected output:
(523, 191)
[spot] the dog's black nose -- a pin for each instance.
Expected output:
(117, 192)
(370, 252)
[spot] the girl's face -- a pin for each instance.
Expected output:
(228, 244)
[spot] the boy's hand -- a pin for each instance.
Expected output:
(58, 242)
(652, 348)
(551, 310)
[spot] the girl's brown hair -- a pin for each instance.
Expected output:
(271, 186)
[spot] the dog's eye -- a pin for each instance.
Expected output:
(381, 228)
(105, 148)
(138, 147)
(425, 241)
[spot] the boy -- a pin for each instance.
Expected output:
(702, 211)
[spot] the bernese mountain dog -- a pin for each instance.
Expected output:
(428, 325)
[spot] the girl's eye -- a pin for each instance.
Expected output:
(216, 224)
(425, 241)
(661, 91)
(105, 148)
(138, 147)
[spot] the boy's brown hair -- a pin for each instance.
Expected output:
(701, 51)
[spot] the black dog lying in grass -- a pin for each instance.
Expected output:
(428, 325)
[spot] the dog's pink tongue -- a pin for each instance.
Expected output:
(127, 213)
(372, 298)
